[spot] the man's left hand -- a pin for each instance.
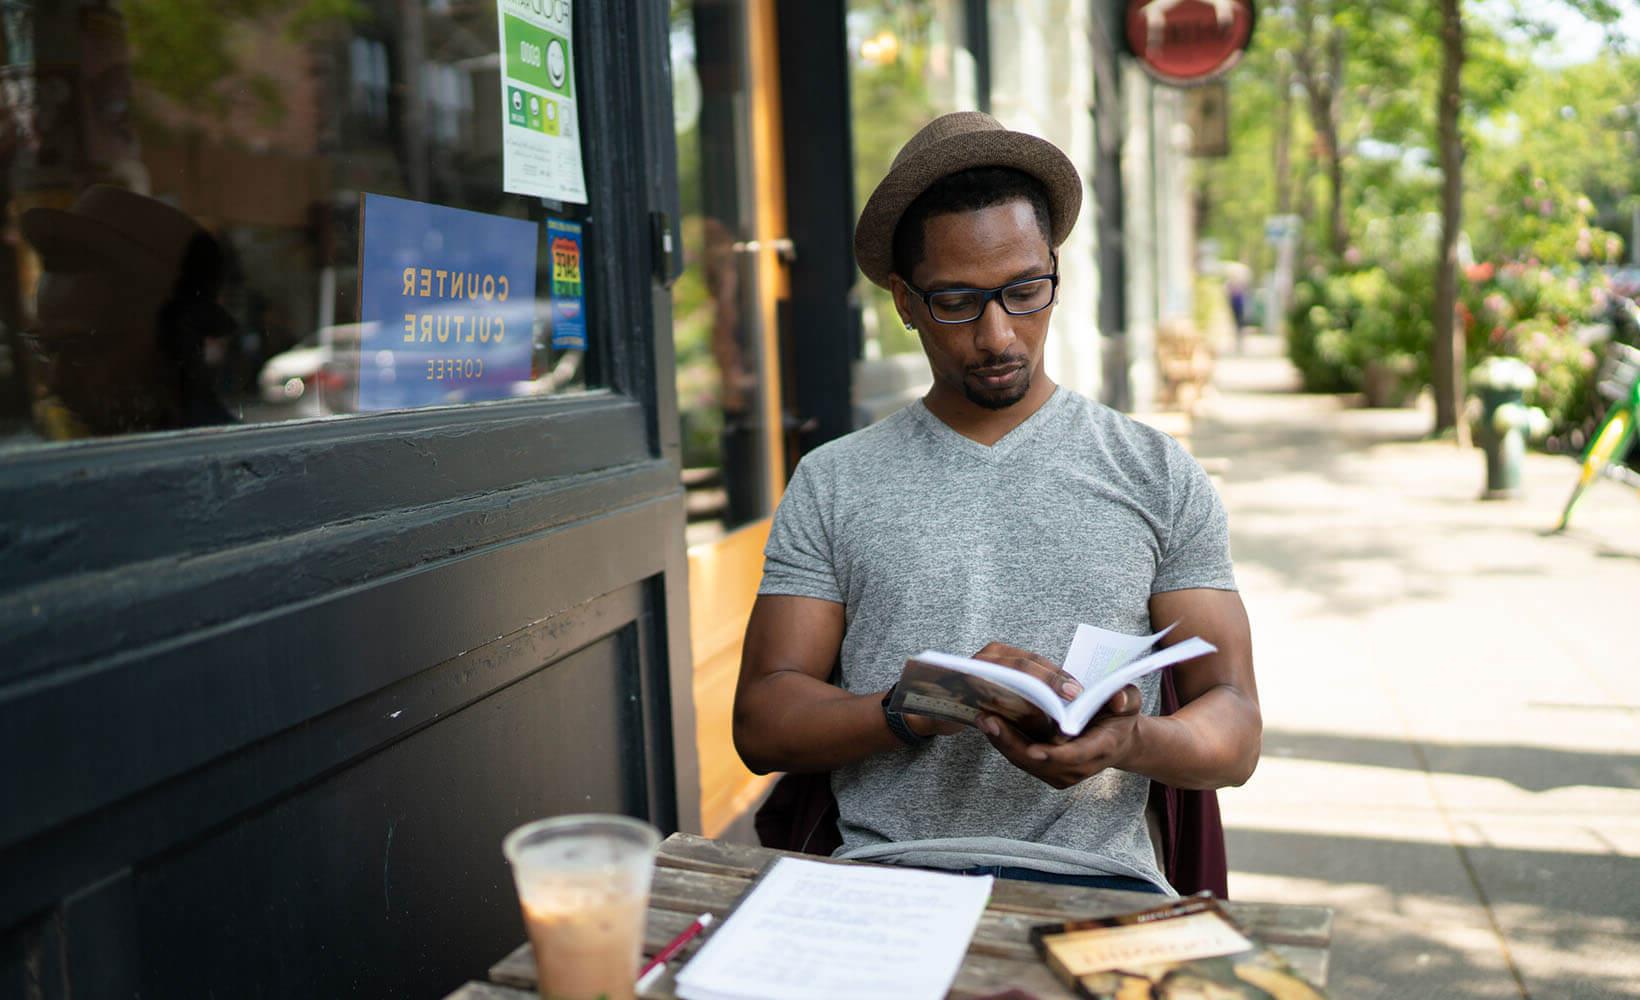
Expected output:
(1107, 742)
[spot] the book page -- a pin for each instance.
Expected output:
(1095, 652)
(1087, 704)
(815, 931)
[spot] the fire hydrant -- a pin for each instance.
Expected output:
(1506, 422)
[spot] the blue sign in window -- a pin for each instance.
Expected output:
(446, 305)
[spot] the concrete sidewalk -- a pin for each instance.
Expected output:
(1451, 699)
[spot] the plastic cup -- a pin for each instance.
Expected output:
(583, 883)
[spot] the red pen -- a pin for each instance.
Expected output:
(650, 972)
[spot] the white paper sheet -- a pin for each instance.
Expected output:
(816, 931)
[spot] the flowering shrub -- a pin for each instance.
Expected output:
(1345, 321)
(1527, 311)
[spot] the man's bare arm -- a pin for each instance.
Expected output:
(1214, 739)
(787, 716)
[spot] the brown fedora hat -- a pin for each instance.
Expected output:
(947, 145)
(111, 227)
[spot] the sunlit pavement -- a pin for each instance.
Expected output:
(1451, 699)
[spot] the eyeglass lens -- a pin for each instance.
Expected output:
(962, 305)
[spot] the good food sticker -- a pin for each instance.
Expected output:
(569, 321)
(540, 132)
(446, 304)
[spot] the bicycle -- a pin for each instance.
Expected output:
(1619, 381)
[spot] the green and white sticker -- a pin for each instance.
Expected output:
(541, 133)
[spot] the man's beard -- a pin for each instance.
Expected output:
(999, 399)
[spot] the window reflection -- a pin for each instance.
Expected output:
(716, 327)
(253, 128)
(908, 64)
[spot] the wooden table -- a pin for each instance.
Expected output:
(694, 875)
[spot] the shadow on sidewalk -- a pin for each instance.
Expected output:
(1431, 940)
(1535, 769)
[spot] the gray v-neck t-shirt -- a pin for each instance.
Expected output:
(931, 540)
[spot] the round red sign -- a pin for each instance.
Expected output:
(1189, 41)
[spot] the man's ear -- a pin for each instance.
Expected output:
(902, 299)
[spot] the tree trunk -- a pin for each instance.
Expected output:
(1321, 86)
(1448, 349)
(1337, 234)
(1284, 139)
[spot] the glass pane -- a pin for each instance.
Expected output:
(215, 280)
(714, 304)
(908, 64)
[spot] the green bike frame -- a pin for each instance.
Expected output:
(1620, 381)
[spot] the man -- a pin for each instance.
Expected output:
(127, 317)
(993, 515)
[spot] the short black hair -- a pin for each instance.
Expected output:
(967, 191)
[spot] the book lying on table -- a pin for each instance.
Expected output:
(961, 689)
(1188, 948)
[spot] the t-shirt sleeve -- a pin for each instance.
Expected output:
(1196, 551)
(799, 561)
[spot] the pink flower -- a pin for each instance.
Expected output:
(1352, 256)
(1546, 207)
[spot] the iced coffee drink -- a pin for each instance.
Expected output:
(583, 882)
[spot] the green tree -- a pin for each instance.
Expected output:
(184, 48)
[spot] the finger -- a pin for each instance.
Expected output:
(1087, 753)
(1035, 666)
(1127, 701)
(1008, 741)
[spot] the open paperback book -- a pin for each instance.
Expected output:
(961, 689)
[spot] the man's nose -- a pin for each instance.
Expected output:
(994, 329)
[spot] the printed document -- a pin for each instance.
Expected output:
(809, 930)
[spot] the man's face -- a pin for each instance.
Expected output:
(993, 360)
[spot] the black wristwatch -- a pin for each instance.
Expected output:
(898, 726)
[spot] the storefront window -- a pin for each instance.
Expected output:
(180, 205)
(909, 62)
(716, 325)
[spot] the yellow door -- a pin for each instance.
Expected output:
(731, 190)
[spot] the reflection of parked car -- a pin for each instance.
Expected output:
(289, 375)
(326, 363)
(339, 372)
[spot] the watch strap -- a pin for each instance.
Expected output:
(897, 724)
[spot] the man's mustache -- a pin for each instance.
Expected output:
(1005, 361)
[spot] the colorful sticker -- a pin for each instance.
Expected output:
(569, 321)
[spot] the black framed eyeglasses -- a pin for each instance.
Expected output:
(954, 306)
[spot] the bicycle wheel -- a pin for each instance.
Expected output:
(1608, 441)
